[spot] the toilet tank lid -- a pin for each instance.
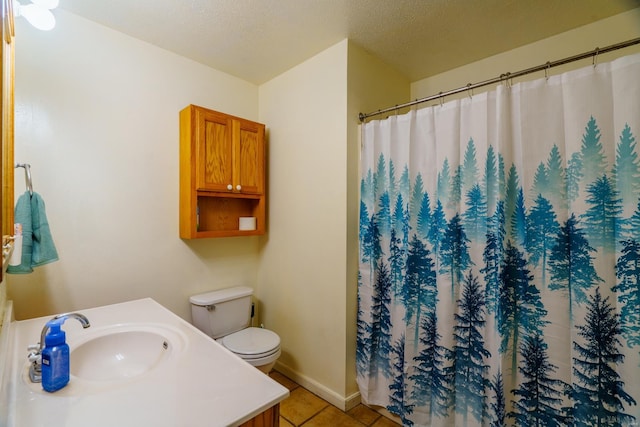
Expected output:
(221, 295)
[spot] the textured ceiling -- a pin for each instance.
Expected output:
(258, 39)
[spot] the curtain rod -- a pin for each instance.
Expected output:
(594, 53)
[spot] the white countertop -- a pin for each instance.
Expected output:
(200, 384)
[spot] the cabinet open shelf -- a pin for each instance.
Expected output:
(220, 215)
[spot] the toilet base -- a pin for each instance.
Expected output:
(266, 368)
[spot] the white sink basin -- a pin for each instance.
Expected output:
(120, 354)
(121, 374)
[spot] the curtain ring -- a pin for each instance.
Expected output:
(595, 57)
(441, 99)
(507, 79)
(546, 71)
(469, 91)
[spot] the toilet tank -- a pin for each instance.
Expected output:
(222, 312)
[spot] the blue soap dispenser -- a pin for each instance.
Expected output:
(55, 358)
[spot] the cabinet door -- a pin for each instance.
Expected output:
(214, 145)
(248, 173)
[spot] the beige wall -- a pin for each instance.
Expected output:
(371, 83)
(308, 269)
(616, 29)
(97, 119)
(3, 301)
(303, 269)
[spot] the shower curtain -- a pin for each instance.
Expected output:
(499, 277)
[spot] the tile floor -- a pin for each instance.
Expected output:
(303, 408)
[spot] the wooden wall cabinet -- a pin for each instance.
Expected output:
(222, 174)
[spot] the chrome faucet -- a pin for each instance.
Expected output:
(35, 355)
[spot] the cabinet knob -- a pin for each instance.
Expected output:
(238, 187)
(229, 187)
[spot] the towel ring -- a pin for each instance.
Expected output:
(27, 176)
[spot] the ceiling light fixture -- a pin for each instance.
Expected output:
(38, 13)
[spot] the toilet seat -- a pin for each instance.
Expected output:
(253, 343)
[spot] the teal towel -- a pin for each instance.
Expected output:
(44, 251)
(37, 243)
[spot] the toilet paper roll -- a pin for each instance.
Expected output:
(247, 223)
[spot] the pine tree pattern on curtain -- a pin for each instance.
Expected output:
(499, 278)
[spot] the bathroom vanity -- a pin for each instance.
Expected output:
(138, 364)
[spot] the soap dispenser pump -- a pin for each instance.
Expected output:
(55, 358)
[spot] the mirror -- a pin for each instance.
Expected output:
(7, 112)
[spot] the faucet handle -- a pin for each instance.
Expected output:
(34, 353)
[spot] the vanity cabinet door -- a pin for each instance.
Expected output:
(269, 418)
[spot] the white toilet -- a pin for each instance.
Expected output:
(225, 316)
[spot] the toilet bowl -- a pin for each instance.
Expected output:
(257, 346)
(225, 316)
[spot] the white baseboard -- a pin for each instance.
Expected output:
(351, 401)
(341, 402)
